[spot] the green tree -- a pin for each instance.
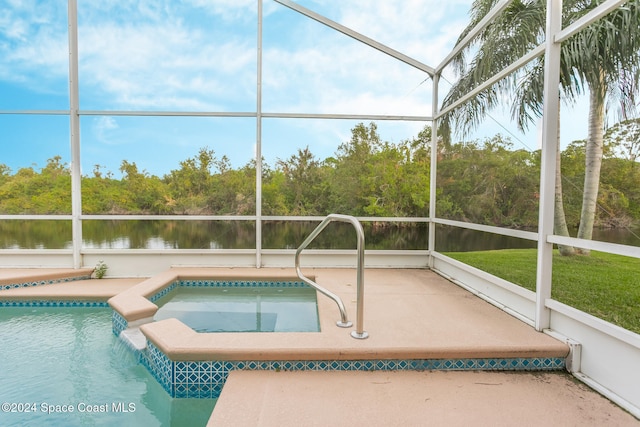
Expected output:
(487, 182)
(625, 137)
(31, 192)
(194, 176)
(302, 185)
(417, 169)
(273, 197)
(620, 166)
(233, 192)
(5, 173)
(190, 185)
(141, 192)
(51, 189)
(351, 180)
(604, 57)
(100, 193)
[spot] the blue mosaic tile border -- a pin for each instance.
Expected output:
(164, 292)
(118, 323)
(43, 282)
(160, 366)
(54, 303)
(206, 379)
(208, 283)
(242, 283)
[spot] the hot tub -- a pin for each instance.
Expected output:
(255, 307)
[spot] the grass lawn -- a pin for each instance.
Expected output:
(604, 285)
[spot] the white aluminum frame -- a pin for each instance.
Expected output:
(609, 363)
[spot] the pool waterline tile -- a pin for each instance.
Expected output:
(54, 303)
(212, 283)
(205, 379)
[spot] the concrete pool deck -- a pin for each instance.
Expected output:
(408, 313)
(411, 399)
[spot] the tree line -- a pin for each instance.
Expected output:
(482, 181)
(602, 59)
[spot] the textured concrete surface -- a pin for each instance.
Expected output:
(409, 314)
(406, 399)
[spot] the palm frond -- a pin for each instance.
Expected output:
(604, 57)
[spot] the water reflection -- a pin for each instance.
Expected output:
(453, 239)
(157, 234)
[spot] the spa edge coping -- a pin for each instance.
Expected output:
(181, 343)
(33, 275)
(133, 304)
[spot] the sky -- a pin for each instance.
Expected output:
(201, 56)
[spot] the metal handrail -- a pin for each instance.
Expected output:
(344, 322)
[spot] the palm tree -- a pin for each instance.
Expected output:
(603, 58)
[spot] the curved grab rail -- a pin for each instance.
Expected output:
(344, 322)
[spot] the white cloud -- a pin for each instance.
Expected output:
(313, 69)
(103, 128)
(200, 55)
(12, 28)
(33, 45)
(230, 10)
(343, 78)
(162, 55)
(166, 64)
(410, 26)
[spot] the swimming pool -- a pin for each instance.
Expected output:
(64, 366)
(245, 309)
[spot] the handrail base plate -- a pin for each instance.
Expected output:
(360, 336)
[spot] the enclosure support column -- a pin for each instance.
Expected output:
(548, 165)
(259, 142)
(74, 121)
(433, 167)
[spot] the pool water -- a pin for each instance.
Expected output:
(64, 367)
(252, 309)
